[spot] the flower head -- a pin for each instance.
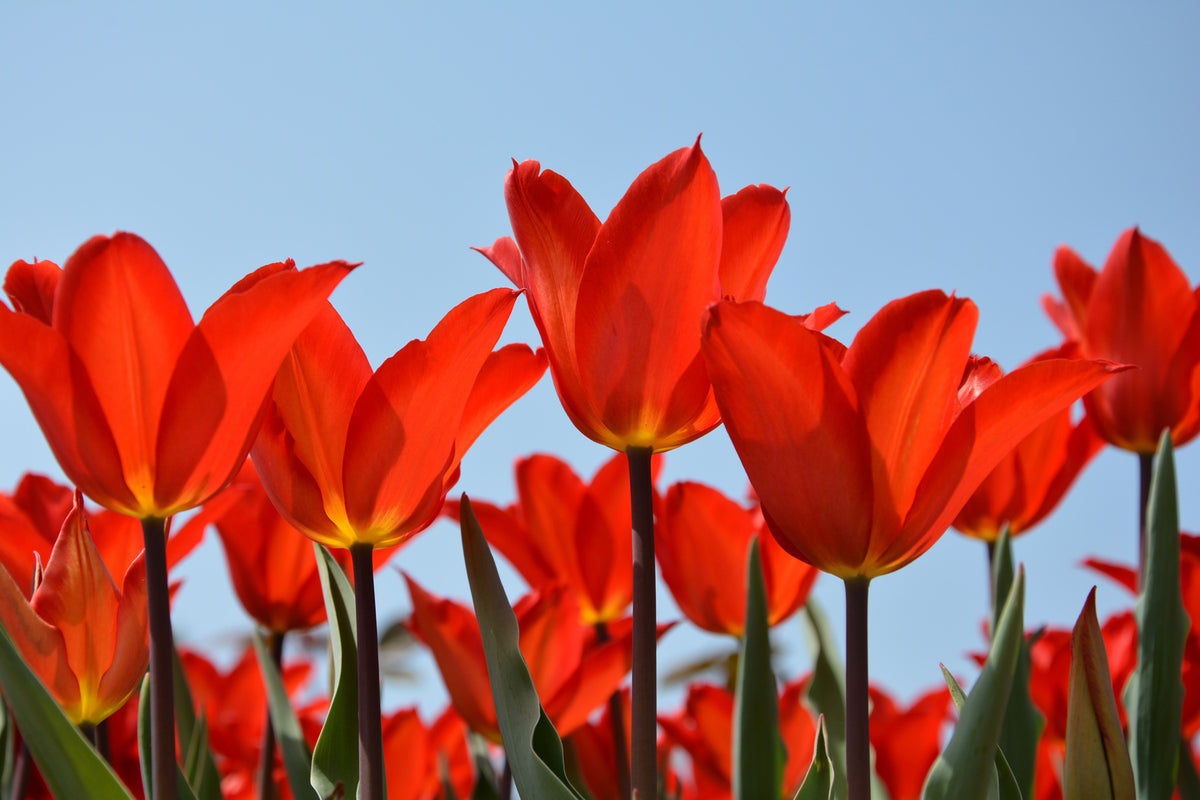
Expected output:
(147, 412)
(619, 303)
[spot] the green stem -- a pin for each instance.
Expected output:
(370, 726)
(644, 724)
(162, 667)
(266, 762)
(616, 717)
(858, 731)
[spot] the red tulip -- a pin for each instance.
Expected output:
(272, 565)
(1139, 310)
(563, 531)
(862, 457)
(1033, 478)
(85, 639)
(353, 456)
(573, 674)
(421, 758)
(907, 740)
(701, 539)
(148, 413)
(619, 303)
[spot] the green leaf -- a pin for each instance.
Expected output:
(1023, 723)
(818, 782)
(1154, 694)
(297, 761)
(758, 753)
(1189, 781)
(534, 751)
(1003, 783)
(145, 740)
(67, 761)
(827, 689)
(964, 770)
(335, 758)
(1096, 763)
(200, 768)
(7, 753)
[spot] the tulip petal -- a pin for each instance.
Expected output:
(224, 374)
(756, 222)
(906, 364)
(40, 644)
(793, 417)
(551, 497)
(505, 254)
(983, 433)
(1076, 278)
(400, 442)
(31, 288)
(507, 374)
(648, 279)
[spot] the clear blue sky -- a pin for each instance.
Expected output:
(925, 146)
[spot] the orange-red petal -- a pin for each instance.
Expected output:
(756, 223)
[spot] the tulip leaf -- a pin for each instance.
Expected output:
(1096, 763)
(827, 689)
(1154, 694)
(6, 751)
(71, 767)
(531, 744)
(297, 760)
(758, 753)
(818, 782)
(1023, 723)
(1004, 784)
(963, 770)
(143, 736)
(335, 758)
(1188, 784)
(200, 768)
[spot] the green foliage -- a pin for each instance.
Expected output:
(818, 783)
(335, 758)
(1154, 694)
(71, 767)
(200, 768)
(531, 744)
(827, 690)
(297, 760)
(758, 752)
(970, 766)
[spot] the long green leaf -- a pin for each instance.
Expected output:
(758, 754)
(827, 689)
(67, 761)
(531, 743)
(1003, 784)
(964, 770)
(200, 767)
(1023, 723)
(335, 758)
(297, 760)
(1189, 780)
(1154, 694)
(818, 782)
(145, 740)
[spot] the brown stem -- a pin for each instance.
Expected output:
(858, 731)
(370, 726)
(506, 781)
(1146, 473)
(644, 724)
(266, 758)
(162, 668)
(616, 716)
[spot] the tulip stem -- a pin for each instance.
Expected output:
(506, 781)
(370, 726)
(644, 724)
(266, 762)
(20, 772)
(1146, 470)
(858, 738)
(162, 662)
(616, 717)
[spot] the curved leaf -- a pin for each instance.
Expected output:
(67, 761)
(758, 752)
(335, 758)
(827, 689)
(818, 782)
(200, 768)
(297, 761)
(964, 770)
(532, 746)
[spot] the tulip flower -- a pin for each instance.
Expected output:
(862, 456)
(701, 534)
(907, 741)
(573, 673)
(1033, 478)
(562, 530)
(423, 757)
(81, 635)
(1140, 309)
(363, 460)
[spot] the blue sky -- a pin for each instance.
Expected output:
(926, 147)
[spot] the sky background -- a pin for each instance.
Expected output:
(926, 147)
